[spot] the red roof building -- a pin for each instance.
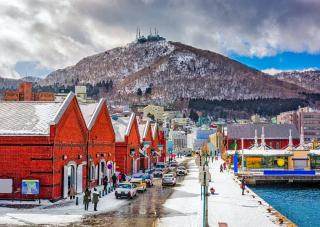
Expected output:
(127, 144)
(24, 93)
(42, 149)
(101, 142)
(146, 144)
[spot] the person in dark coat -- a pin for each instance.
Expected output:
(86, 198)
(221, 168)
(114, 180)
(105, 183)
(95, 198)
(243, 185)
(123, 177)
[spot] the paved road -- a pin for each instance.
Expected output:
(144, 210)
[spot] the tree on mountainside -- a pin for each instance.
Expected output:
(148, 91)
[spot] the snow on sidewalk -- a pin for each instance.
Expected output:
(183, 208)
(63, 213)
(229, 206)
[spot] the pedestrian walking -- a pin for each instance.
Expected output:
(212, 158)
(243, 185)
(105, 183)
(72, 192)
(119, 177)
(114, 180)
(95, 198)
(221, 168)
(86, 198)
(224, 166)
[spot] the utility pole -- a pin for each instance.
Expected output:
(204, 183)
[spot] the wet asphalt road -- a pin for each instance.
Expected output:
(144, 210)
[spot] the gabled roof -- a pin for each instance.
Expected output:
(154, 130)
(143, 129)
(122, 126)
(91, 111)
(272, 131)
(31, 118)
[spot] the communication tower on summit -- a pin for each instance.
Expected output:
(150, 38)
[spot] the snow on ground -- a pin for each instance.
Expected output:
(184, 205)
(62, 212)
(184, 208)
(229, 206)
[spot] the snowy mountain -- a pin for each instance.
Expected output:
(173, 70)
(309, 80)
(6, 83)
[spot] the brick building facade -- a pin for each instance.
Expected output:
(127, 144)
(44, 142)
(24, 93)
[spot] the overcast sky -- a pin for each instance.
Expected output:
(38, 36)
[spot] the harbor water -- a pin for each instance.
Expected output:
(301, 204)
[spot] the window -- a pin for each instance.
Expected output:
(92, 172)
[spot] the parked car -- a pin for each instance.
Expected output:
(169, 179)
(139, 183)
(127, 190)
(182, 171)
(146, 177)
(158, 172)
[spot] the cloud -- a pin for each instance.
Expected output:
(59, 33)
(273, 71)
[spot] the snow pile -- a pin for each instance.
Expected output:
(229, 206)
(61, 212)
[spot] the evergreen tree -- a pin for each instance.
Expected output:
(139, 92)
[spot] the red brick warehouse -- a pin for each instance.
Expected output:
(44, 141)
(145, 132)
(156, 145)
(101, 142)
(127, 144)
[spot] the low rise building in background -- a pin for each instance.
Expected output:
(24, 93)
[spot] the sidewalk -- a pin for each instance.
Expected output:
(229, 206)
(183, 208)
(61, 212)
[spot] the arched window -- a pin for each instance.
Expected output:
(92, 172)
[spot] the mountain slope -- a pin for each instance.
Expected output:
(309, 80)
(173, 70)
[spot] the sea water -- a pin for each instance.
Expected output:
(301, 204)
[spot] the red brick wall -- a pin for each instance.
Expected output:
(70, 140)
(102, 140)
(31, 157)
(26, 158)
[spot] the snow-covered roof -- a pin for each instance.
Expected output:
(143, 129)
(154, 130)
(31, 118)
(122, 126)
(261, 152)
(91, 111)
(315, 152)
